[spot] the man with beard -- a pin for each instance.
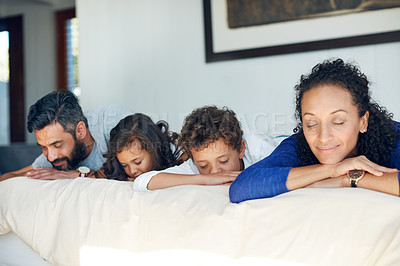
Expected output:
(68, 138)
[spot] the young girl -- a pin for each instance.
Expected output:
(343, 139)
(138, 145)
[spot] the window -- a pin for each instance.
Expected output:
(4, 93)
(67, 51)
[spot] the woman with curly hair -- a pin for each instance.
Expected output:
(138, 145)
(343, 139)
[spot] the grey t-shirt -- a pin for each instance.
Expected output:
(101, 120)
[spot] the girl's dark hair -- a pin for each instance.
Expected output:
(381, 137)
(154, 138)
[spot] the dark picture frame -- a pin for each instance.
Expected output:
(213, 55)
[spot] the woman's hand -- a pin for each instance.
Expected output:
(359, 163)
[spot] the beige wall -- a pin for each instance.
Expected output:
(149, 55)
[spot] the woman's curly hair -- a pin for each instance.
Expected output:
(154, 138)
(207, 124)
(381, 137)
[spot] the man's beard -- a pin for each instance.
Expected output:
(77, 156)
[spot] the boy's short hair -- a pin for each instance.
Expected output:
(207, 124)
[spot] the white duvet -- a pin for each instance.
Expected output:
(102, 222)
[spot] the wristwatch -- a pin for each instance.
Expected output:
(355, 176)
(83, 171)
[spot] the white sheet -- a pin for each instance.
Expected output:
(103, 222)
(14, 252)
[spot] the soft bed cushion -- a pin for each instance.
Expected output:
(102, 222)
(14, 252)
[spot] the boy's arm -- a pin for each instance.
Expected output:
(183, 174)
(142, 181)
(166, 180)
(21, 172)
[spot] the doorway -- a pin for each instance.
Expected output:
(12, 97)
(4, 95)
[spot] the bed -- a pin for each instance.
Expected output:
(103, 222)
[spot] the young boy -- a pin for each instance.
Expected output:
(217, 150)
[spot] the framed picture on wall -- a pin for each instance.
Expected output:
(237, 29)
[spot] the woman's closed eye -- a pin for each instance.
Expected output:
(311, 125)
(338, 123)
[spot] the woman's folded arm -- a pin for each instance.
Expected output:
(267, 178)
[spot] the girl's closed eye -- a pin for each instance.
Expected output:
(203, 166)
(138, 163)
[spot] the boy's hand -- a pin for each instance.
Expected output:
(220, 178)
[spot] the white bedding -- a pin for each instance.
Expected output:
(102, 222)
(14, 252)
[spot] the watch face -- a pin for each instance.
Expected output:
(84, 170)
(355, 174)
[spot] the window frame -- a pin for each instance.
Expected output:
(16, 86)
(61, 18)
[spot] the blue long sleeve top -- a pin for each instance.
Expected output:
(268, 177)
